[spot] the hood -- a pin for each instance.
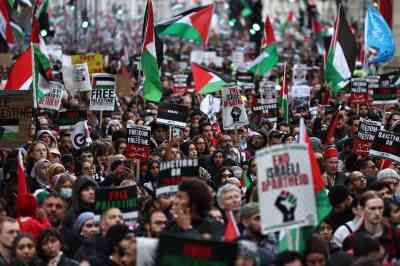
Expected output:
(79, 184)
(53, 138)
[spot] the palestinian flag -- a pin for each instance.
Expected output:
(207, 80)
(193, 24)
(31, 67)
(6, 31)
(231, 232)
(21, 177)
(297, 239)
(287, 23)
(341, 56)
(269, 52)
(283, 106)
(152, 90)
(9, 129)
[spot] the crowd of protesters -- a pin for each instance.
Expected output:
(54, 224)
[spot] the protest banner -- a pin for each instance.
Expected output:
(245, 80)
(299, 74)
(81, 77)
(95, 62)
(175, 250)
(123, 198)
(386, 93)
(173, 172)
(15, 118)
(386, 145)
(102, 97)
(285, 187)
(138, 142)
(172, 115)
(365, 136)
(52, 98)
(233, 112)
(300, 98)
(68, 119)
(359, 91)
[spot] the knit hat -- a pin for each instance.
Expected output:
(330, 152)
(41, 195)
(249, 210)
(388, 172)
(114, 235)
(338, 194)
(26, 205)
(82, 218)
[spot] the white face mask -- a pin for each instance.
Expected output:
(66, 193)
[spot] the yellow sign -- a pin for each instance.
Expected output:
(95, 61)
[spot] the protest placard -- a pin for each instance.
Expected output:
(68, 119)
(386, 93)
(95, 62)
(180, 84)
(285, 187)
(173, 172)
(359, 91)
(124, 85)
(175, 250)
(386, 145)
(52, 96)
(300, 98)
(123, 198)
(172, 115)
(233, 112)
(138, 142)
(15, 118)
(81, 77)
(102, 96)
(365, 136)
(266, 100)
(299, 74)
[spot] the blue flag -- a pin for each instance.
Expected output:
(379, 42)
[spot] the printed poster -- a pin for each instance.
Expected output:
(285, 187)
(52, 98)
(95, 62)
(386, 145)
(365, 136)
(233, 110)
(102, 96)
(138, 142)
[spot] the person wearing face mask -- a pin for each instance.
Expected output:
(63, 184)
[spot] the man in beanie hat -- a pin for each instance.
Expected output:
(250, 218)
(391, 179)
(341, 202)
(332, 176)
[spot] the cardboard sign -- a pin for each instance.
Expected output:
(234, 112)
(386, 145)
(386, 93)
(52, 98)
(124, 85)
(173, 251)
(300, 98)
(285, 187)
(173, 172)
(81, 77)
(95, 62)
(299, 74)
(68, 119)
(102, 96)
(15, 118)
(138, 142)
(172, 115)
(365, 136)
(123, 198)
(359, 91)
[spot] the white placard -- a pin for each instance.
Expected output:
(234, 112)
(285, 187)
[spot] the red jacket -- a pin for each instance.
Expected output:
(32, 225)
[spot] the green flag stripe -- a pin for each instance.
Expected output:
(270, 59)
(212, 87)
(152, 89)
(182, 30)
